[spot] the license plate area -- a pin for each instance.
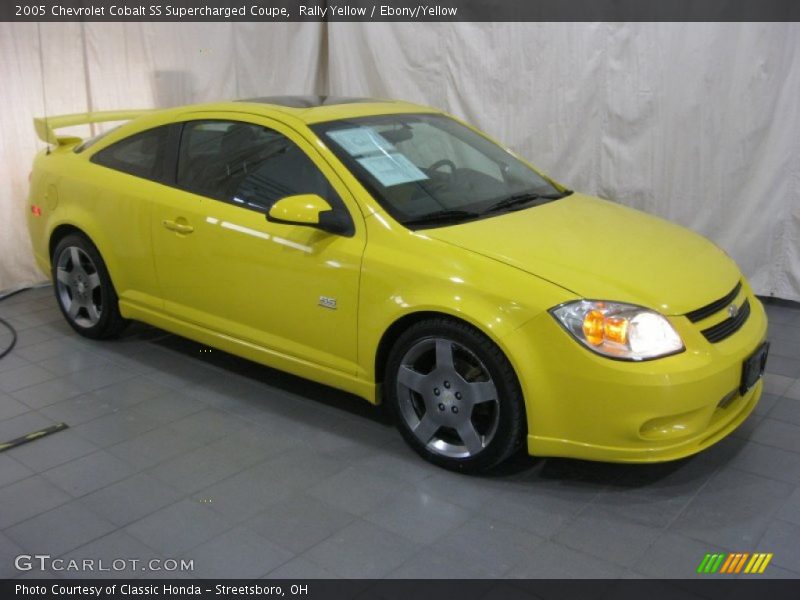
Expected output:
(753, 368)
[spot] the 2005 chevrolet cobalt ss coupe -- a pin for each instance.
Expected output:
(389, 250)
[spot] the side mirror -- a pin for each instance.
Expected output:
(310, 210)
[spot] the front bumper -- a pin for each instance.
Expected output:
(583, 405)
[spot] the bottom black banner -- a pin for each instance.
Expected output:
(396, 589)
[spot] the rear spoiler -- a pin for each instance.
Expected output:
(46, 126)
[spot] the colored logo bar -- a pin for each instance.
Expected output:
(735, 562)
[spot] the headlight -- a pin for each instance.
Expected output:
(618, 330)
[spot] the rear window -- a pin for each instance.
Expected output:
(93, 140)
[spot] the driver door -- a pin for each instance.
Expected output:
(292, 289)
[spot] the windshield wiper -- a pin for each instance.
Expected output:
(524, 198)
(442, 215)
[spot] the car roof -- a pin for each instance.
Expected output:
(309, 101)
(286, 109)
(313, 109)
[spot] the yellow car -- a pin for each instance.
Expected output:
(387, 249)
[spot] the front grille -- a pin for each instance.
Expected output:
(729, 326)
(716, 306)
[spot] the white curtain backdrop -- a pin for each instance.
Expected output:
(696, 122)
(77, 67)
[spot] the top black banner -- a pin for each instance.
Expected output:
(400, 10)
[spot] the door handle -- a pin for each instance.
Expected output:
(176, 226)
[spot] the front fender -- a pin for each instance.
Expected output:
(414, 274)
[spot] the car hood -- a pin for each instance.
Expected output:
(602, 250)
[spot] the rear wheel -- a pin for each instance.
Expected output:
(84, 290)
(455, 396)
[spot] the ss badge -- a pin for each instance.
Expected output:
(326, 302)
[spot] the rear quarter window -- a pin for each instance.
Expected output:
(142, 154)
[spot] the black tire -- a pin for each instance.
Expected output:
(504, 430)
(105, 320)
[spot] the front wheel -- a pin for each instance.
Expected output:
(455, 396)
(84, 290)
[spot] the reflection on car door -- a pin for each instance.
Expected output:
(223, 266)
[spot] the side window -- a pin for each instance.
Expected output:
(142, 154)
(247, 164)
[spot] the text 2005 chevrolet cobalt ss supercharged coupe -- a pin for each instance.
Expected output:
(392, 251)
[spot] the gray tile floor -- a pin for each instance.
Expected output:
(177, 453)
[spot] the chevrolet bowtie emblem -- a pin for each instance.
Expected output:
(733, 310)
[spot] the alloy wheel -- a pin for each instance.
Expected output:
(78, 287)
(447, 398)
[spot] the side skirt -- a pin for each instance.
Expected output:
(250, 351)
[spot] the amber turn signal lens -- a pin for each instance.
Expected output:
(616, 329)
(598, 328)
(593, 326)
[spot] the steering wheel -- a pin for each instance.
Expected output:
(445, 162)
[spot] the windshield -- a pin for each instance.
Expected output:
(428, 170)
